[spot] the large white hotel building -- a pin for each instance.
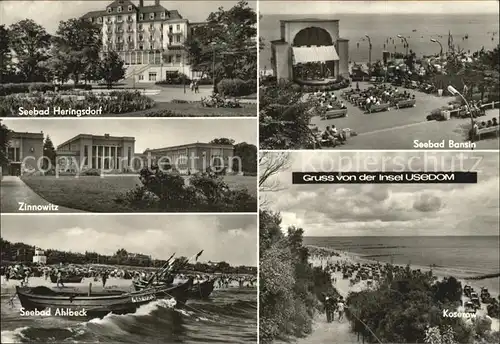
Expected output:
(150, 39)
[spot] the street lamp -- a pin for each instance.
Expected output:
(213, 65)
(406, 42)
(441, 46)
(369, 55)
(454, 92)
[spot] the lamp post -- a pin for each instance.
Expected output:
(213, 65)
(369, 55)
(440, 45)
(406, 42)
(454, 92)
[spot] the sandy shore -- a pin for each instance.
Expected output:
(343, 285)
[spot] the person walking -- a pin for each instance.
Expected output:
(59, 279)
(340, 308)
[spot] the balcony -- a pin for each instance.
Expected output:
(130, 20)
(175, 45)
(119, 31)
(151, 28)
(119, 20)
(109, 21)
(140, 29)
(130, 30)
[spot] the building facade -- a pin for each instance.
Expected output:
(112, 154)
(310, 45)
(39, 257)
(194, 157)
(149, 39)
(25, 153)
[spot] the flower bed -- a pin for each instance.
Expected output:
(111, 103)
(8, 89)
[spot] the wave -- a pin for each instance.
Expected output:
(14, 336)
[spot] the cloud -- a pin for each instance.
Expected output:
(391, 209)
(230, 238)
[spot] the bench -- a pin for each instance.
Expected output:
(335, 113)
(378, 108)
(405, 103)
(485, 131)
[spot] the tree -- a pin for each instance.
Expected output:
(76, 46)
(49, 152)
(222, 141)
(111, 68)
(271, 163)
(4, 144)
(230, 35)
(5, 54)
(31, 44)
(248, 156)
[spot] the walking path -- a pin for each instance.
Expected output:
(14, 193)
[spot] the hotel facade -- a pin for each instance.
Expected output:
(149, 39)
(24, 153)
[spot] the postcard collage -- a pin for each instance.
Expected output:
(250, 171)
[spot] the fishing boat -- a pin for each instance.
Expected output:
(67, 279)
(97, 304)
(197, 291)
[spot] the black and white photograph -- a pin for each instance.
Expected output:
(379, 75)
(129, 279)
(128, 165)
(379, 263)
(128, 58)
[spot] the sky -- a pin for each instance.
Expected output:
(230, 238)
(389, 209)
(374, 7)
(49, 13)
(148, 132)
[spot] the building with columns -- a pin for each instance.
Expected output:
(310, 51)
(149, 39)
(24, 153)
(103, 152)
(195, 157)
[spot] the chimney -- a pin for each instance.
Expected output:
(141, 3)
(157, 2)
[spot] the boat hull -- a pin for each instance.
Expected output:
(197, 291)
(42, 298)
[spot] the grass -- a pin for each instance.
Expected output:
(96, 194)
(194, 109)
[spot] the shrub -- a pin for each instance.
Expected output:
(175, 78)
(167, 191)
(236, 87)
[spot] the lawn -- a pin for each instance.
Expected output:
(96, 194)
(194, 109)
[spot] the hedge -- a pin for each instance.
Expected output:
(237, 87)
(7, 89)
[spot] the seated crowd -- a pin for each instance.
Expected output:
(329, 101)
(486, 124)
(331, 136)
(377, 95)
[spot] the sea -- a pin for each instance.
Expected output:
(229, 316)
(482, 30)
(462, 255)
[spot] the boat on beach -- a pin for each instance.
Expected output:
(197, 291)
(100, 303)
(67, 279)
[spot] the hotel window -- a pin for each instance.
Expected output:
(152, 76)
(178, 28)
(141, 17)
(141, 77)
(178, 39)
(129, 155)
(99, 20)
(169, 58)
(162, 15)
(129, 38)
(130, 7)
(119, 19)
(152, 16)
(119, 9)
(170, 28)
(141, 47)
(110, 9)
(178, 58)
(151, 38)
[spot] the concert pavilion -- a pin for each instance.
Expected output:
(310, 51)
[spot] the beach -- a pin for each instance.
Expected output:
(344, 288)
(381, 27)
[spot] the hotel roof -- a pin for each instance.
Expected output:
(105, 136)
(189, 145)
